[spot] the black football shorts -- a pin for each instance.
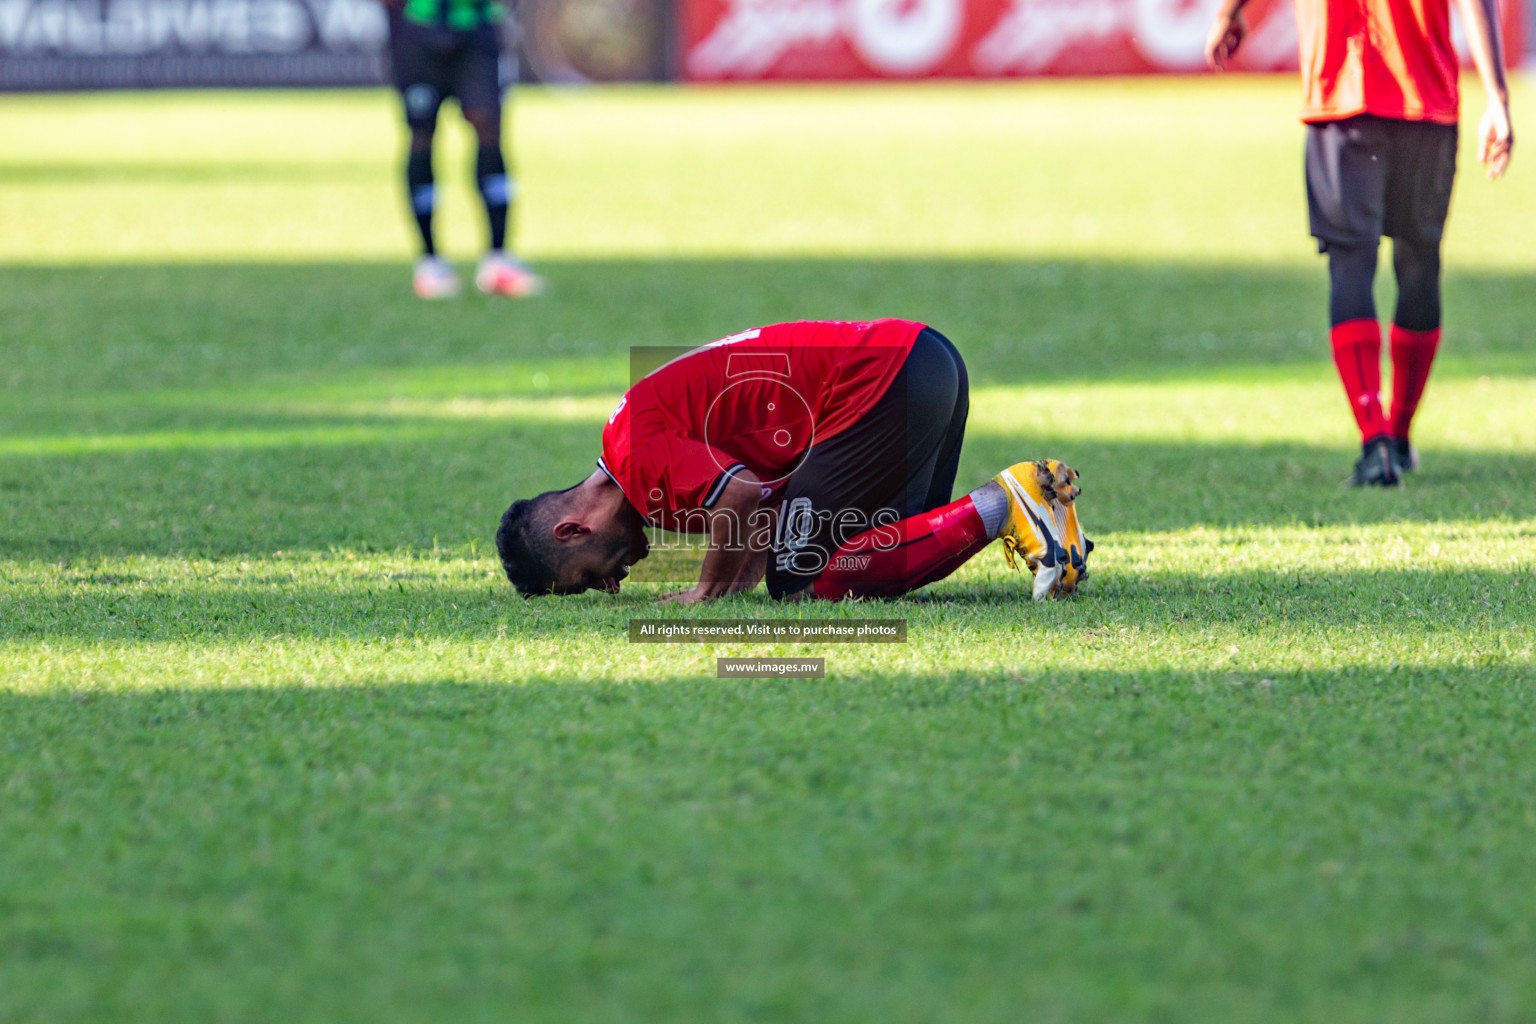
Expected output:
(433, 62)
(1370, 176)
(899, 460)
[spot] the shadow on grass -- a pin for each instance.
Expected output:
(428, 483)
(72, 330)
(193, 353)
(287, 602)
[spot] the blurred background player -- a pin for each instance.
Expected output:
(452, 48)
(1379, 79)
(819, 454)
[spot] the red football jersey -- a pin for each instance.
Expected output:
(756, 400)
(1391, 58)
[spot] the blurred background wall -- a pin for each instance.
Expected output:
(105, 44)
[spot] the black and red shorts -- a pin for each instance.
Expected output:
(899, 460)
(1371, 176)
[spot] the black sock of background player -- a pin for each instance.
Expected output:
(423, 193)
(495, 190)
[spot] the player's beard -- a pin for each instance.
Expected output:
(620, 551)
(638, 544)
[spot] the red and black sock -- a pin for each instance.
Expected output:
(1413, 353)
(1357, 354)
(892, 560)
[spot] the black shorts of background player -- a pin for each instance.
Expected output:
(442, 49)
(1371, 177)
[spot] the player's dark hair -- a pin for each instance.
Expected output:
(529, 553)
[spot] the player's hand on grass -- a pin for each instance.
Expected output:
(1226, 35)
(1495, 138)
(728, 565)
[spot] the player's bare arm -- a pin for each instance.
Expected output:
(1227, 33)
(1495, 135)
(727, 563)
(728, 554)
(760, 545)
(752, 571)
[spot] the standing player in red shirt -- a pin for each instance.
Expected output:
(819, 454)
(1379, 78)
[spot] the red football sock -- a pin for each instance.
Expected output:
(1357, 354)
(1413, 353)
(891, 560)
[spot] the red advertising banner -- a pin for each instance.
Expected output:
(722, 40)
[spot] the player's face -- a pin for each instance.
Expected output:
(601, 560)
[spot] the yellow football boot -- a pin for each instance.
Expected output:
(1077, 544)
(1032, 529)
(1042, 525)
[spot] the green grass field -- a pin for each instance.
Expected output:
(277, 743)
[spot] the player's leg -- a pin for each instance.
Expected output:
(938, 469)
(480, 88)
(421, 185)
(907, 448)
(491, 178)
(1421, 177)
(1030, 506)
(1354, 335)
(999, 501)
(874, 474)
(867, 514)
(417, 68)
(1346, 181)
(1415, 339)
(895, 559)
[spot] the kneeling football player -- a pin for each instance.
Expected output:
(821, 455)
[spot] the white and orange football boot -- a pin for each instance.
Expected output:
(433, 278)
(500, 274)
